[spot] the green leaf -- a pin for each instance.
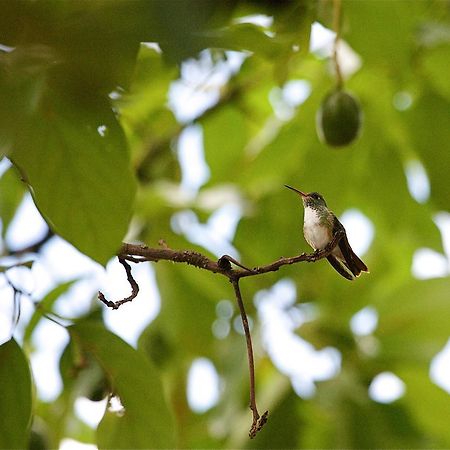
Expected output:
(147, 121)
(428, 123)
(245, 37)
(15, 404)
(180, 38)
(367, 26)
(12, 190)
(78, 173)
(45, 306)
(147, 421)
(60, 131)
(93, 48)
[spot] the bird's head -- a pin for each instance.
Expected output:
(313, 199)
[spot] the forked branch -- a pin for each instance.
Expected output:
(224, 266)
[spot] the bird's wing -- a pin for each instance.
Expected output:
(351, 260)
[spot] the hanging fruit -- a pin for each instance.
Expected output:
(339, 118)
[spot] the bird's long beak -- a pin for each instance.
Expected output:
(297, 191)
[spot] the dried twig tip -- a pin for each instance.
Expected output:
(133, 284)
(258, 424)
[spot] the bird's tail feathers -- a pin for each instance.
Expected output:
(350, 259)
(358, 265)
(341, 267)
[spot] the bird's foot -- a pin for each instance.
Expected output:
(317, 254)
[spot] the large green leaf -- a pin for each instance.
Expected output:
(98, 40)
(75, 161)
(146, 422)
(69, 148)
(15, 404)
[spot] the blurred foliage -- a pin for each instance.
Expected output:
(15, 386)
(86, 123)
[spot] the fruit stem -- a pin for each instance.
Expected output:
(337, 8)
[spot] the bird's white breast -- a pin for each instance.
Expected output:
(316, 234)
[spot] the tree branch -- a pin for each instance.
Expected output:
(140, 253)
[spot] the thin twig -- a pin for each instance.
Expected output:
(133, 284)
(258, 421)
(17, 294)
(33, 248)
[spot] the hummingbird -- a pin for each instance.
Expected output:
(319, 227)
